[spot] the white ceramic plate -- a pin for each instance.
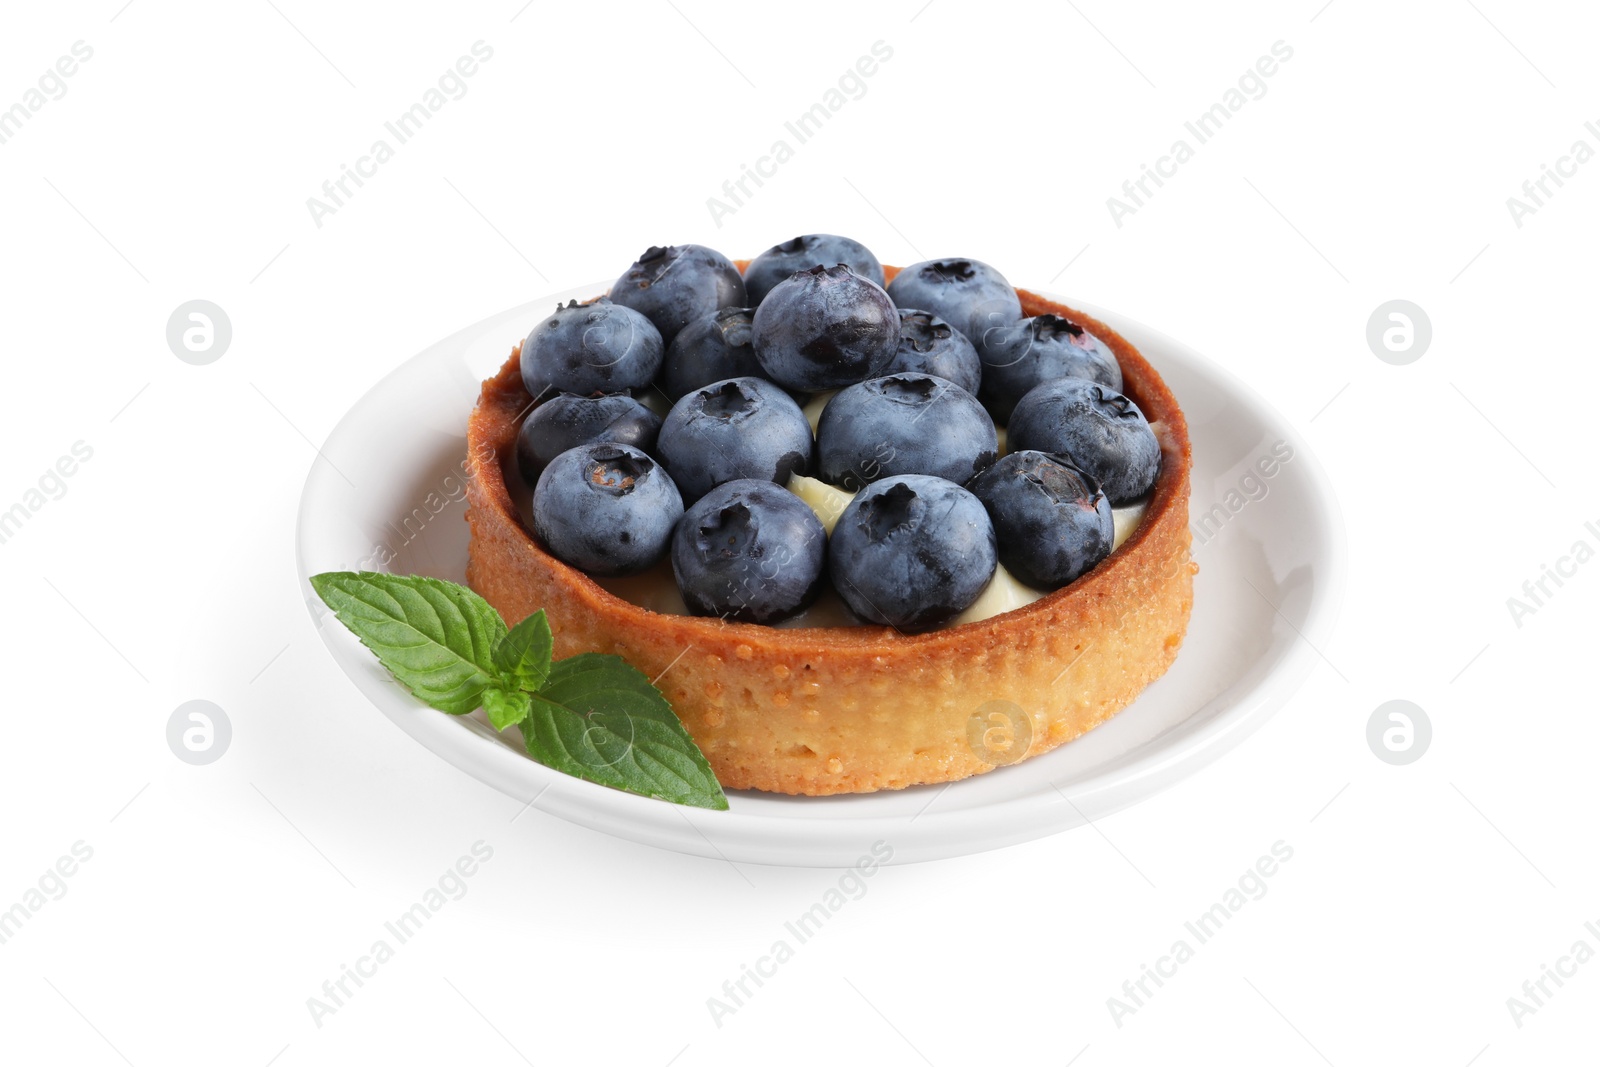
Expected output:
(388, 495)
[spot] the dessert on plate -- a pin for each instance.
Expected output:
(864, 527)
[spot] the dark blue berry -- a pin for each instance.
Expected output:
(1051, 520)
(912, 551)
(567, 421)
(739, 428)
(590, 348)
(1102, 432)
(903, 424)
(606, 509)
(674, 286)
(1041, 349)
(710, 349)
(749, 550)
(801, 253)
(825, 328)
(970, 295)
(930, 345)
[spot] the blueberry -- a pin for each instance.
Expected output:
(710, 349)
(903, 424)
(749, 550)
(739, 428)
(970, 295)
(606, 509)
(1020, 356)
(911, 552)
(800, 253)
(567, 421)
(930, 345)
(674, 286)
(825, 328)
(591, 348)
(1052, 520)
(1102, 432)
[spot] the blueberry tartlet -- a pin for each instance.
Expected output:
(835, 508)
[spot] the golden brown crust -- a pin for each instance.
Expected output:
(826, 710)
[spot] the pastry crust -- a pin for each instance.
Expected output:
(825, 710)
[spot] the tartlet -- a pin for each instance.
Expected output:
(826, 710)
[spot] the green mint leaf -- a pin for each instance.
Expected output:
(600, 719)
(523, 655)
(592, 716)
(505, 707)
(436, 637)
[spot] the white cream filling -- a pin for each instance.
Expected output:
(813, 409)
(1125, 520)
(1003, 593)
(828, 501)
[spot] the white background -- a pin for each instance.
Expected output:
(219, 898)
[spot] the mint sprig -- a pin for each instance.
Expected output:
(436, 637)
(524, 653)
(593, 716)
(598, 718)
(505, 707)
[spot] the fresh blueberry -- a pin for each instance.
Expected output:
(710, 349)
(970, 295)
(591, 348)
(802, 253)
(567, 421)
(903, 424)
(739, 428)
(1102, 432)
(911, 552)
(605, 509)
(1024, 354)
(749, 550)
(1052, 520)
(825, 328)
(930, 345)
(674, 286)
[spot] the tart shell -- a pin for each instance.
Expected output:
(826, 710)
